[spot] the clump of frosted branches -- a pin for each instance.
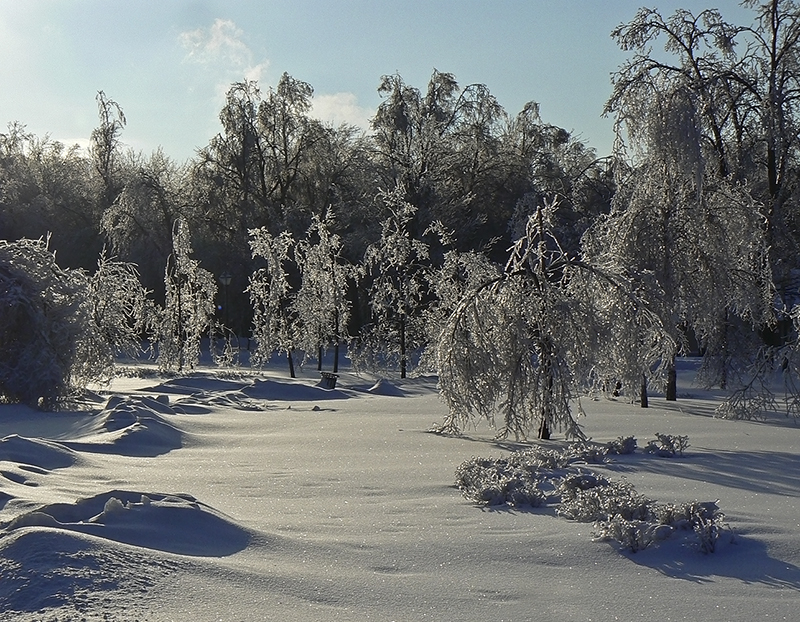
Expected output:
(622, 445)
(667, 445)
(120, 307)
(538, 477)
(520, 344)
(189, 305)
(50, 347)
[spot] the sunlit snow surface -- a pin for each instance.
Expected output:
(225, 496)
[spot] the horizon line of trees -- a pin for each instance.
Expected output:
(494, 249)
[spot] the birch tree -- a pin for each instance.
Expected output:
(272, 296)
(398, 266)
(188, 308)
(519, 346)
(321, 305)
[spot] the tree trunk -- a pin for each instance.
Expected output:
(671, 393)
(319, 359)
(291, 363)
(643, 394)
(336, 358)
(544, 430)
(403, 364)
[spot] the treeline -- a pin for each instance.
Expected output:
(500, 245)
(459, 157)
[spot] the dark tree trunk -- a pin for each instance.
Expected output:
(403, 363)
(319, 359)
(643, 394)
(544, 431)
(291, 364)
(336, 358)
(672, 383)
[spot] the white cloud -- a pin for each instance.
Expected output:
(341, 108)
(222, 46)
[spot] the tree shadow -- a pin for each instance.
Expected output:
(744, 559)
(769, 472)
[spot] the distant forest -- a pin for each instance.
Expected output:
(449, 198)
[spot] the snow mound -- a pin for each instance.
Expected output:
(197, 384)
(386, 388)
(35, 452)
(289, 392)
(176, 523)
(133, 426)
(45, 569)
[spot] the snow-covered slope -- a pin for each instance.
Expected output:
(266, 498)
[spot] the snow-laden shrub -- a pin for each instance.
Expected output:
(525, 477)
(704, 518)
(604, 500)
(49, 344)
(633, 535)
(538, 476)
(495, 482)
(622, 445)
(667, 445)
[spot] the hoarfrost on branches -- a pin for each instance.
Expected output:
(50, 346)
(399, 267)
(189, 305)
(522, 343)
(272, 296)
(321, 304)
(120, 307)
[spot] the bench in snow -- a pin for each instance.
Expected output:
(328, 380)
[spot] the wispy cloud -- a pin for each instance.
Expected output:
(222, 47)
(341, 108)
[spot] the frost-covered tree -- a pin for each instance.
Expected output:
(321, 304)
(120, 307)
(106, 146)
(521, 344)
(189, 305)
(699, 236)
(738, 87)
(50, 346)
(139, 224)
(398, 266)
(272, 296)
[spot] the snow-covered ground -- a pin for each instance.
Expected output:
(257, 497)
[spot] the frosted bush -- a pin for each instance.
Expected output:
(536, 476)
(495, 482)
(622, 445)
(50, 347)
(634, 535)
(601, 501)
(667, 445)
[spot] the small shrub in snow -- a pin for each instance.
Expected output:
(667, 445)
(704, 518)
(708, 531)
(583, 451)
(495, 482)
(622, 445)
(633, 535)
(599, 502)
(537, 476)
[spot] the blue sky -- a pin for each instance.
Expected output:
(168, 63)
